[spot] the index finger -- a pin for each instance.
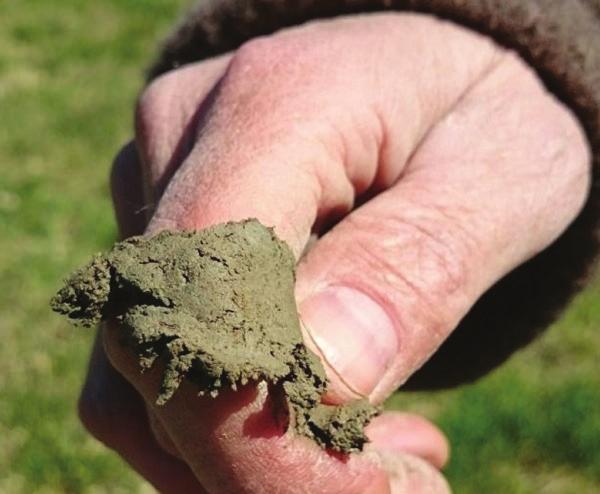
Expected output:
(238, 442)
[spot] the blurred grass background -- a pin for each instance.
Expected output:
(69, 74)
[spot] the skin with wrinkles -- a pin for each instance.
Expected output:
(216, 307)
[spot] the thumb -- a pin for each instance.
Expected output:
(382, 290)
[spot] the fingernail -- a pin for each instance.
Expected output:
(353, 333)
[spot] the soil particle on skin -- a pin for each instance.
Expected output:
(217, 306)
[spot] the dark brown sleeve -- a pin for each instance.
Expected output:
(561, 40)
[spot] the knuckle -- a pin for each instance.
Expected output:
(551, 140)
(126, 185)
(150, 97)
(96, 418)
(112, 418)
(161, 113)
(253, 52)
(108, 406)
(151, 101)
(424, 262)
(161, 436)
(279, 63)
(155, 95)
(123, 166)
(259, 55)
(553, 130)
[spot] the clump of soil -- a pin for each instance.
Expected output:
(217, 306)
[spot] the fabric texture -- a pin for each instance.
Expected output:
(561, 40)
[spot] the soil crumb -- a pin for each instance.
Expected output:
(217, 307)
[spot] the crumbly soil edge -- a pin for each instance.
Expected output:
(217, 306)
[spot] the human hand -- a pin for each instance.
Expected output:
(437, 156)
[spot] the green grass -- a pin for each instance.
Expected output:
(533, 426)
(69, 73)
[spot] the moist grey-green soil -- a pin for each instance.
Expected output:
(217, 307)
